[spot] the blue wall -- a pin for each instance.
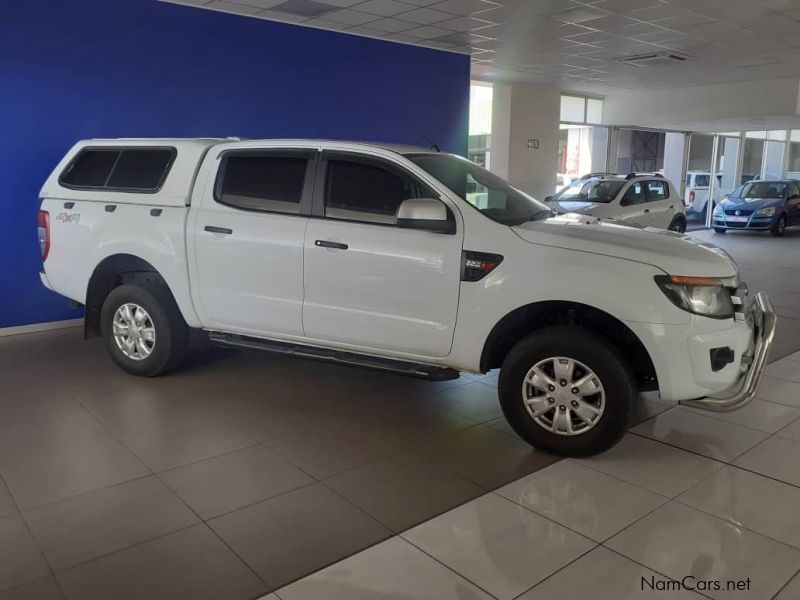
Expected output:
(131, 68)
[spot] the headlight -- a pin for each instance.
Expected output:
(766, 212)
(704, 296)
(718, 209)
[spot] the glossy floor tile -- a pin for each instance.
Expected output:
(393, 569)
(39, 589)
(763, 415)
(776, 457)
(791, 590)
(587, 501)
(701, 434)
(654, 466)
(791, 431)
(191, 563)
(677, 541)
(784, 369)
(499, 545)
(301, 531)
(605, 575)
(780, 391)
(758, 503)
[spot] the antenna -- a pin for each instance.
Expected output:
(434, 145)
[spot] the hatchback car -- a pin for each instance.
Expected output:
(646, 200)
(760, 206)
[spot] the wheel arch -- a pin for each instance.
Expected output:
(529, 318)
(111, 272)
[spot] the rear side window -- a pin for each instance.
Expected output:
(657, 190)
(266, 183)
(119, 169)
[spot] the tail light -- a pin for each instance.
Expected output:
(691, 197)
(44, 233)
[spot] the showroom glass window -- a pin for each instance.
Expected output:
(269, 183)
(366, 191)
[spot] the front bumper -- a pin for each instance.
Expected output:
(745, 389)
(753, 222)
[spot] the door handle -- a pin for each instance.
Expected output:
(672, 207)
(647, 210)
(214, 229)
(327, 244)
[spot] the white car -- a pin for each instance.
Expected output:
(697, 190)
(398, 259)
(645, 200)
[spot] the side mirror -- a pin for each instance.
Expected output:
(427, 214)
(548, 198)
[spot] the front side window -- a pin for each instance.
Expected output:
(119, 169)
(364, 191)
(594, 190)
(657, 190)
(485, 191)
(269, 183)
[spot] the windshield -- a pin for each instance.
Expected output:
(485, 191)
(594, 190)
(761, 189)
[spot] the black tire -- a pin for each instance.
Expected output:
(171, 331)
(596, 354)
(719, 230)
(678, 224)
(780, 227)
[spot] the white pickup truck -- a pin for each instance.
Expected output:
(399, 259)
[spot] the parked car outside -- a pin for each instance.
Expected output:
(645, 200)
(760, 206)
(696, 193)
(400, 259)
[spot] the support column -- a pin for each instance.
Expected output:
(524, 148)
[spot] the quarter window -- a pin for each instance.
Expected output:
(657, 190)
(360, 191)
(119, 169)
(264, 183)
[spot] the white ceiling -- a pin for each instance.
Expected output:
(570, 42)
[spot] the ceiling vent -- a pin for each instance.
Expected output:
(652, 59)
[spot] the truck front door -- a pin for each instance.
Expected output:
(369, 283)
(248, 242)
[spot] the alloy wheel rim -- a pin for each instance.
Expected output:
(563, 396)
(134, 332)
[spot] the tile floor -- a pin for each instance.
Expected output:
(248, 474)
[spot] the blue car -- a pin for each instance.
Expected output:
(760, 206)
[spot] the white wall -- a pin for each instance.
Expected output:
(520, 113)
(723, 107)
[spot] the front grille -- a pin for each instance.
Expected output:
(737, 224)
(738, 213)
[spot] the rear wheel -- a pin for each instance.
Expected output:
(780, 227)
(566, 391)
(678, 224)
(143, 328)
(719, 230)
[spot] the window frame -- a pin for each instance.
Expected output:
(320, 192)
(309, 181)
(119, 150)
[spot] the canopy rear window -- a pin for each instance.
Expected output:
(128, 169)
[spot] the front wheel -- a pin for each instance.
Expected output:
(780, 227)
(567, 391)
(719, 230)
(143, 328)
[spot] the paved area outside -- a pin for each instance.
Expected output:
(245, 472)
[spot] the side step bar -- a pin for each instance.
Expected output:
(232, 340)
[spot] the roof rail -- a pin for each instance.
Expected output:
(598, 174)
(630, 176)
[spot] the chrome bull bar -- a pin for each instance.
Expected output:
(744, 390)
